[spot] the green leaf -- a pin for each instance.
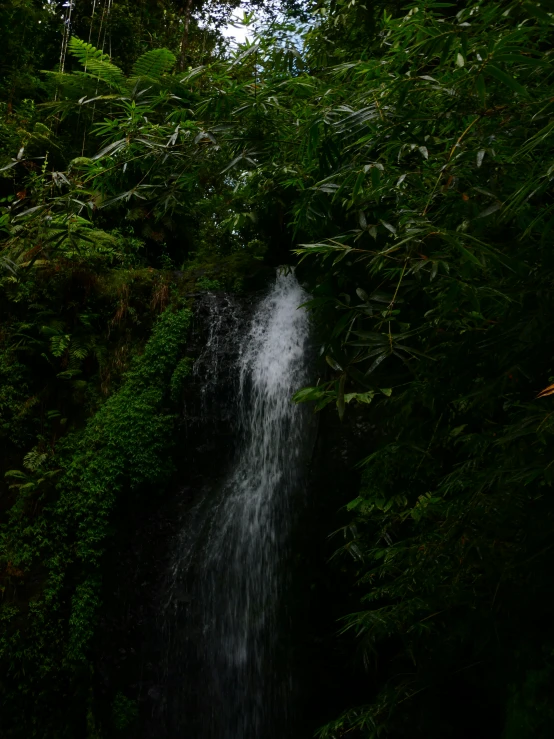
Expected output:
(333, 363)
(489, 211)
(96, 63)
(16, 473)
(472, 258)
(481, 89)
(366, 397)
(375, 177)
(154, 63)
(510, 82)
(340, 397)
(354, 503)
(537, 12)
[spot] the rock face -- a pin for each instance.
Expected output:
(322, 593)
(210, 421)
(227, 629)
(133, 657)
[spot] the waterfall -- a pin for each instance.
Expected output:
(229, 577)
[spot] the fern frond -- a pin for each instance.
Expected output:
(73, 86)
(97, 64)
(106, 72)
(42, 136)
(84, 52)
(153, 64)
(79, 350)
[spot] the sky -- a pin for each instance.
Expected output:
(241, 33)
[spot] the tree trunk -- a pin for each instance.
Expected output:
(185, 38)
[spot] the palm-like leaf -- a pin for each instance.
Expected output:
(97, 64)
(153, 64)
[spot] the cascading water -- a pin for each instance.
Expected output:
(229, 574)
(223, 317)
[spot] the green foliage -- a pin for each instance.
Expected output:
(61, 518)
(13, 394)
(153, 64)
(150, 66)
(125, 712)
(90, 382)
(181, 372)
(205, 283)
(405, 152)
(529, 708)
(97, 64)
(412, 176)
(435, 280)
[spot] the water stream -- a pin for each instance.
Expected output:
(233, 556)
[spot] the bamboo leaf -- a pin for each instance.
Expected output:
(505, 79)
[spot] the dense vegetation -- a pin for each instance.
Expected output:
(404, 152)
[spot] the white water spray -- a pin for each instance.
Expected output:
(236, 558)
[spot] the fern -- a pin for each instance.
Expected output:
(79, 350)
(84, 52)
(74, 86)
(96, 63)
(108, 73)
(153, 64)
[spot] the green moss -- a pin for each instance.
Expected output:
(14, 403)
(182, 371)
(124, 447)
(236, 272)
(204, 283)
(530, 713)
(124, 712)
